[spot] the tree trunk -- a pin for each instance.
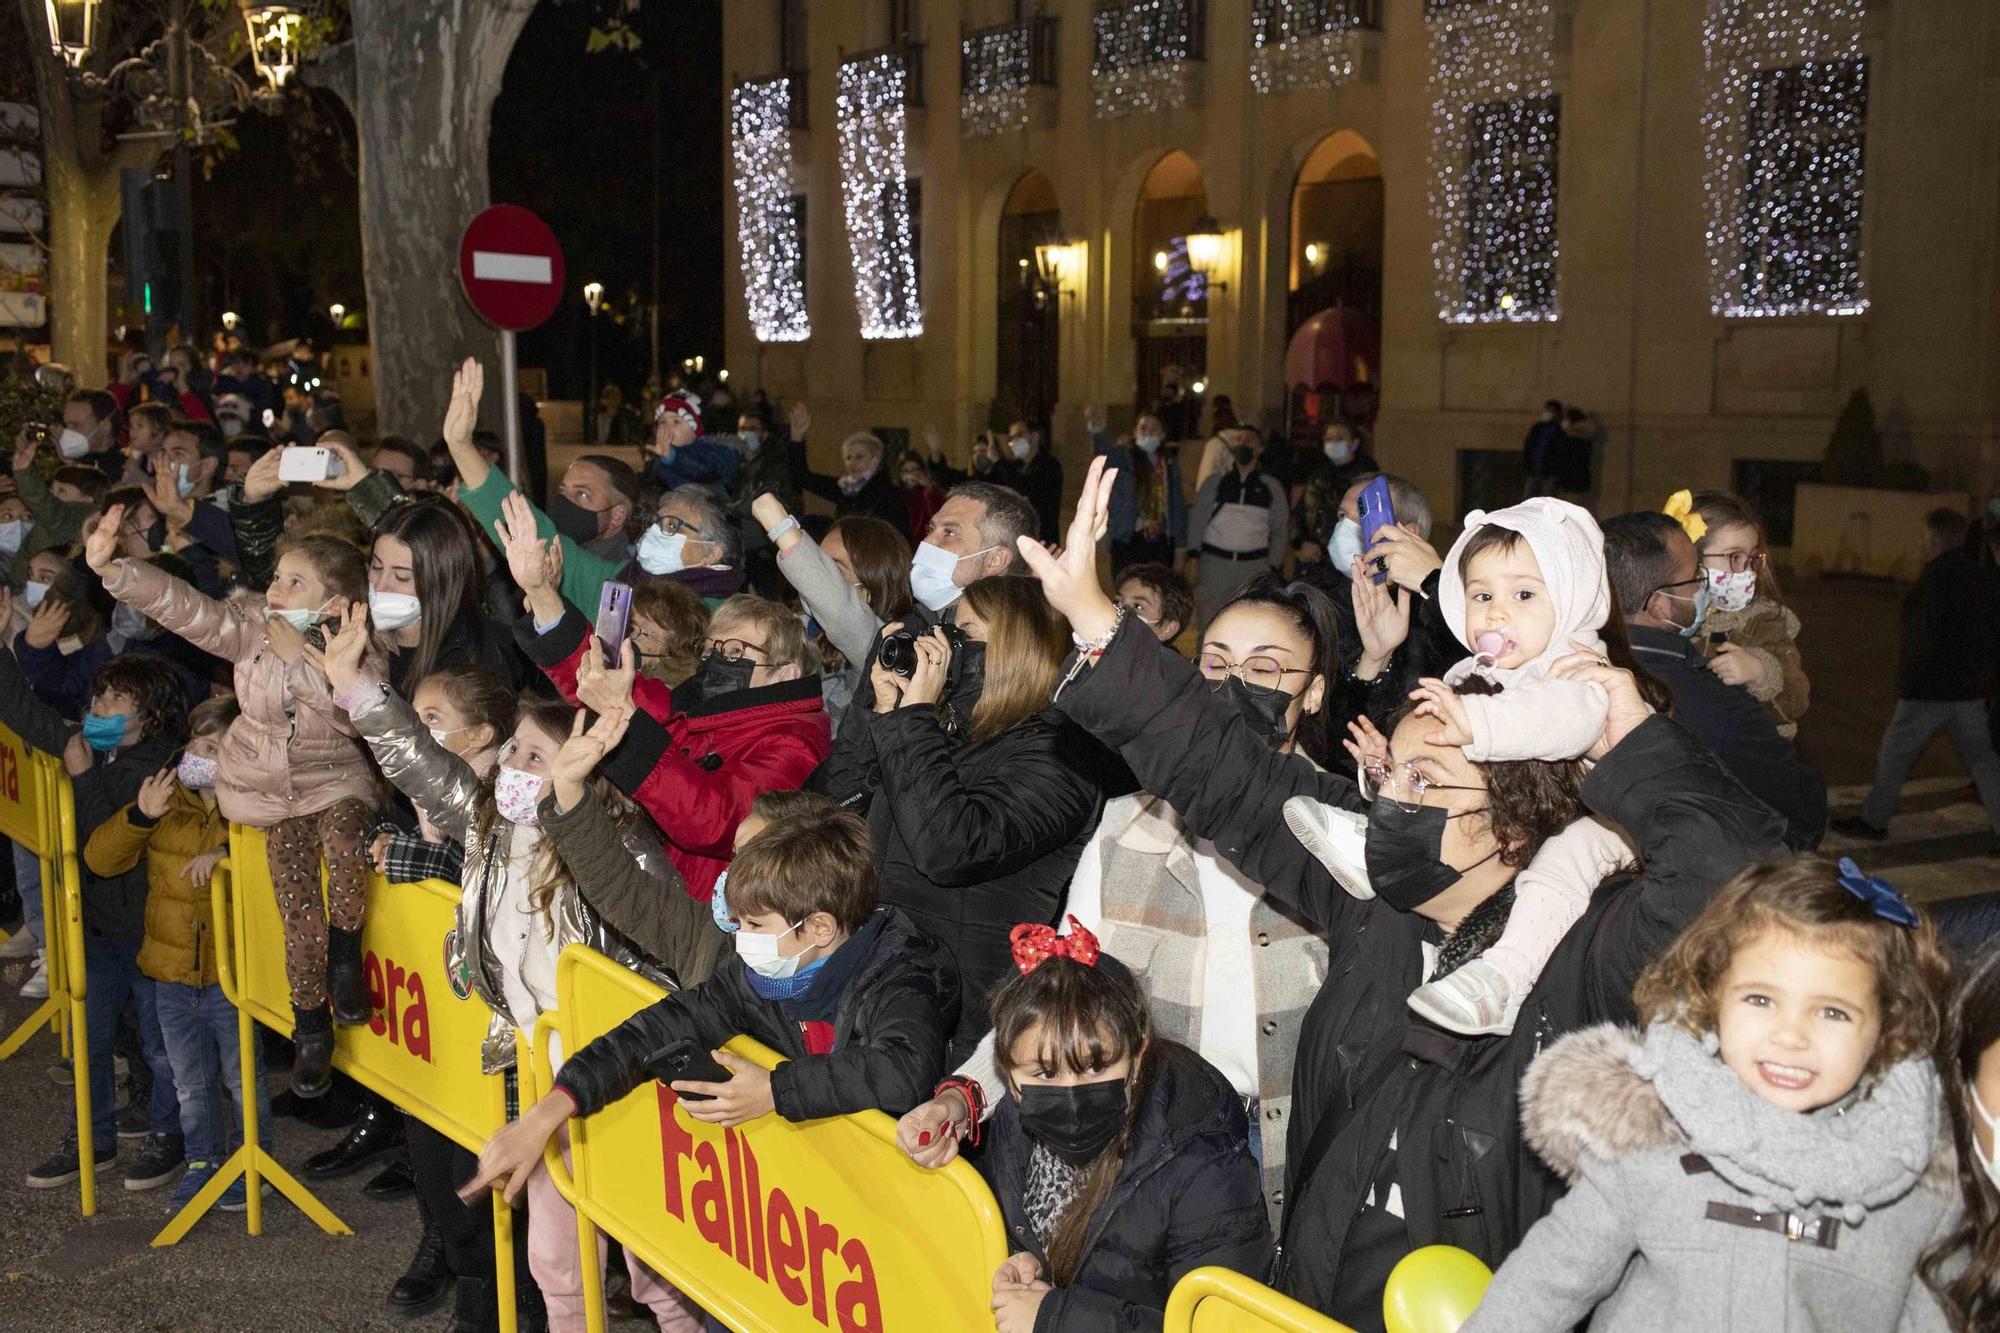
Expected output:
(425, 76)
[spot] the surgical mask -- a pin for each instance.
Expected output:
(1700, 600)
(12, 533)
(231, 427)
(720, 676)
(196, 772)
(72, 443)
(33, 591)
(1264, 708)
(104, 733)
(572, 520)
(718, 903)
(130, 624)
(1344, 546)
(1339, 452)
(1405, 853)
(1731, 590)
(517, 793)
(182, 482)
(393, 610)
(662, 552)
(752, 441)
(1019, 444)
(1074, 1123)
(931, 571)
(760, 954)
(1148, 444)
(1987, 1164)
(301, 618)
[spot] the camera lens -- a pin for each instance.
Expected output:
(899, 653)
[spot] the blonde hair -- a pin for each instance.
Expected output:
(1025, 646)
(784, 634)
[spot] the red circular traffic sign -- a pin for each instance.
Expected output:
(511, 267)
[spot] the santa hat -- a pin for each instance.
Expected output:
(683, 404)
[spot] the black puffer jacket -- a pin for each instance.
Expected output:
(892, 1019)
(1366, 1067)
(972, 839)
(1187, 1195)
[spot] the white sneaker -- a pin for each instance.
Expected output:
(37, 986)
(1475, 1000)
(21, 944)
(1337, 839)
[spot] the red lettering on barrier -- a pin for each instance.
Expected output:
(733, 1214)
(417, 1021)
(396, 1002)
(378, 998)
(10, 776)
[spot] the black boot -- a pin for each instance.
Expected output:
(421, 1289)
(343, 978)
(375, 1133)
(474, 1309)
(394, 1181)
(312, 1052)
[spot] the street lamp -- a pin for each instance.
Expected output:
(72, 29)
(230, 319)
(337, 312)
(1204, 248)
(593, 297)
(274, 41)
(1056, 259)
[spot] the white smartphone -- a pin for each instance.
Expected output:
(304, 463)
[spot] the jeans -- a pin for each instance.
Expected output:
(198, 1025)
(28, 879)
(112, 977)
(1915, 722)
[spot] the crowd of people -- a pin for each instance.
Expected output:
(1295, 897)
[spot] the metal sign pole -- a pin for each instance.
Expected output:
(510, 410)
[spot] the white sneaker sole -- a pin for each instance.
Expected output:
(1299, 819)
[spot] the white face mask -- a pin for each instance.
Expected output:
(517, 793)
(1729, 590)
(662, 552)
(1991, 1166)
(130, 624)
(32, 593)
(12, 533)
(1019, 444)
(752, 441)
(1339, 452)
(932, 571)
(72, 443)
(760, 954)
(393, 610)
(184, 483)
(231, 427)
(1344, 546)
(1148, 444)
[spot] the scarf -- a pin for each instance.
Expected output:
(1476, 933)
(1052, 1186)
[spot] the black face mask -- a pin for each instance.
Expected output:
(1245, 455)
(1074, 1123)
(1264, 708)
(968, 666)
(1405, 853)
(573, 521)
(719, 676)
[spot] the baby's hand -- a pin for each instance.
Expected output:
(1439, 700)
(1369, 747)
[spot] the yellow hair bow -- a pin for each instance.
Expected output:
(1680, 508)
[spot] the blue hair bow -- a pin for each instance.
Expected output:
(1880, 895)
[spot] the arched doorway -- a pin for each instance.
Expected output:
(1333, 310)
(1029, 315)
(1169, 299)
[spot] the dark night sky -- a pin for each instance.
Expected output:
(572, 139)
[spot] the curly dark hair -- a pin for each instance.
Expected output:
(153, 688)
(1964, 1267)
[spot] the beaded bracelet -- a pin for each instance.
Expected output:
(975, 1101)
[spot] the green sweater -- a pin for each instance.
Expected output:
(584, 574)
(57, 522)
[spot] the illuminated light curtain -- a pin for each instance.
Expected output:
(1140, 56)
(994, 99)
(1302, 44)
(1783, 129)
(1495, 133)
(767, 230)
(875, 190)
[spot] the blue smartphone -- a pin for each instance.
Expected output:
(1377, 512)
(614, 614)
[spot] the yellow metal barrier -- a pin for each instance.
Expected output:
(773, 1225)
(1221, 1300)
(27, 815)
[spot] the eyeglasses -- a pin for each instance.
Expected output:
(1266, 672)
(1736, 562)
(671, 524)
(732, 650)
(1403, 784)
(1680, 583)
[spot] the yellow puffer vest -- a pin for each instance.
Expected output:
(179, 945)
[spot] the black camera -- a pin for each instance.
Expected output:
(899, 654)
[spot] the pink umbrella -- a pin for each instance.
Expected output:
(1337, 346)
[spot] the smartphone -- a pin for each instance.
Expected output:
(614, 613)
(686, 1061)
(1377, 512)
(299, 462)
(1718, 637)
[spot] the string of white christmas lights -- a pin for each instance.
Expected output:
(1783, 129)
(1302, 44)
(875, 190)
(1495, 131)
(1142, 55)
(994, 99)
(767, 231)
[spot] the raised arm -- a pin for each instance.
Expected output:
(838, 606)
(230, 630)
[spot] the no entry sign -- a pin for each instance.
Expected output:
(511, 267)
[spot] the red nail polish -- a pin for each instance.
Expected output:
(923, 1138)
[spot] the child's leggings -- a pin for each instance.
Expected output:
(294, 848)
(556, 1262)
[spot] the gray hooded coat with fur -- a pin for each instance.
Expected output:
(1656, 1136)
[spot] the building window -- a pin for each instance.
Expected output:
(792, 53)
(1509, 258)
(902, 22)
(1143, 53)
(996, 68)
(1304, 44)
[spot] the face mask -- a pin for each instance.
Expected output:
(516, 794)
(572, 520)
(1264, 708)
(32, 593)
(1991, 1167)
(12, 533)
(1405, 853)
(72, 443)
(1700, 600)
(1730, 590)
(1074, 1123)
(718, 903)
(1344, 546)
(1148, 444)
(300, 618)
(1339, 452)
(760, 954)
(393, 610)
(1245, 455)
(231, 428)
(131, 625)
(183, 483)
(197, 773)
(720, 676)
(104, 733)
(752, 441)
(1019, 444)
(662, 552)
(931, 571)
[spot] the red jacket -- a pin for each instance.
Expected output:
(696, 772)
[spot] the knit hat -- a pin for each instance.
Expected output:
(1569, 547)
(680, 403)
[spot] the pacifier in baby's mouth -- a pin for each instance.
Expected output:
(1492, 644)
